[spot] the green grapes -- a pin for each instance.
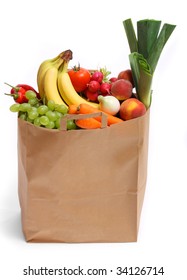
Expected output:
(33, 114)
(71, 125)
(37, 121)
(33, 101)
(61, 109)
(25, 107)
(22, 115)
(51, 105)
(50, 124)
(40, 114)
(42, 110)
(52, 115)
(44, 120)
(15, 107)
(46, 114)
(30, 94)
(57, 123)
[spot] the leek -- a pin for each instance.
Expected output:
(131, 35)
(142, 76)
(147, 32)
(158, 46)
(146, 49)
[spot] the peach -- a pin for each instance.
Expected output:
(132, 108)
(121, 89)
(126, 75)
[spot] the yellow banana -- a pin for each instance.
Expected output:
(50, 86)
(44, 66)
(66, 89)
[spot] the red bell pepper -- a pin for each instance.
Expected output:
(19, 97)
(26, 87)
(18, 92)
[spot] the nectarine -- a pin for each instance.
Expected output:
(131, 108)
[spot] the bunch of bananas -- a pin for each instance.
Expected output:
(55, 84)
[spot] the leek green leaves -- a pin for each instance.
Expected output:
(146, 49)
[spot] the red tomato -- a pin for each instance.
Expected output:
(80, 78)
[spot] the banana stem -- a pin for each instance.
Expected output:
(67, 55)
(63, 67)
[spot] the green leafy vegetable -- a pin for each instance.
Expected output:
(142, 76)
(131, 35)
(147, 32)
(146, 49)
(105, 73)
(159, 44)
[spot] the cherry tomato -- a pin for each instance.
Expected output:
(80, 77)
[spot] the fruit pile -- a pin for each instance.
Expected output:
(78, 90)
(111, 94)
(64, 91)
(46, 107)
(100, 84)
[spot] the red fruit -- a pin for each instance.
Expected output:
(126, 75)
(93, 86)
(91, 96)
(80, 77)
(113, 79)
(105, 88)
(121, 89)
(131, 108)
(97, 76)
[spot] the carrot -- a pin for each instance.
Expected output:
(89, 123)
(72, 109)
(84, 108)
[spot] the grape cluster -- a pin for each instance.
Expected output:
(45, 115)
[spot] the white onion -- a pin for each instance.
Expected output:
(109, 104)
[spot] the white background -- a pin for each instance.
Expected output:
(93, 30)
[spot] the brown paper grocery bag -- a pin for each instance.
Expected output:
(82, 185)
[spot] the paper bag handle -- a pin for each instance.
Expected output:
(63, 122)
